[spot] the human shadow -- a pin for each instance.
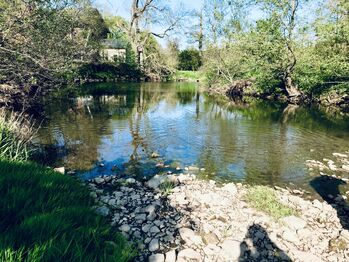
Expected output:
(328, 188)
(258, 246)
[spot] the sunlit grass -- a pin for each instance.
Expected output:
(46, 216)
(16, 133)
(264, 199)
(190, 75)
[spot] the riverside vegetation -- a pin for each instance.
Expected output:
(47, 216)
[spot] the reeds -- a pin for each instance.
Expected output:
(16, 134)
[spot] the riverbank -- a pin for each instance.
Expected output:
(182, 218)
(334, 100)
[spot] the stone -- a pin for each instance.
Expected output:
(130, 180)
(157, 258)
(125, 228)
(231, 188)
(146, 228)
(340, 155)
(210, 238)
(170, 256)
(345, 233)
(154, 230)
(189, 255)
(190, 237)
(317, 204)
(59, 170)
(290, 236)
(156, 181)
(141, 217)
(230, 251)
(294, 222)
(155, 155)
(345, 168)
(154, 245)
(99, 180)
(306, 256)
(103, 211)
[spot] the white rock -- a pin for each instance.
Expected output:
(305, 256)
(230, 251)
(189, 255)
(99, 180)
(294, 222)
(190, 237)
(153, 245)
(171, 256)
(290, 236)
(231, 188)
(60, 170)
(345, 167)
(125, 228)
(130, 180)
(157, 258)
(340, 155)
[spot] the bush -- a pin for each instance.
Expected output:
(46, 216)
(189, 60)
(16, 133)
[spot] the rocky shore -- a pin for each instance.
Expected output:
(181, 218)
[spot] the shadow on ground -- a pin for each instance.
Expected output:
(328, 188)
(257, 245)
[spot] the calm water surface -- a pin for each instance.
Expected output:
(121, 125)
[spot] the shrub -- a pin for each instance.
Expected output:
(46, 216)
(16, 134)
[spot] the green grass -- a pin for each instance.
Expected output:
(189, 76)
(16, 134)
(264, 199)
(46, 216)
(167, 187)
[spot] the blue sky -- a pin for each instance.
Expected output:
(122, 7)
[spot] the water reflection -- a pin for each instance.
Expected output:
(122, 125)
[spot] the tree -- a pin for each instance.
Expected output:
(41, 40)
(189, 59)
(150, 13)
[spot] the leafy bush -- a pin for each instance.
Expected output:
(106, 71)
(189, 60)
(16, 133)
(46, 216)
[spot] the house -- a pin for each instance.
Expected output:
(113, 50)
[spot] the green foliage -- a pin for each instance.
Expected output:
(264, 199)
(108, 71)
(189, 60)
(283, 45)
(46, 216)
(16, 133)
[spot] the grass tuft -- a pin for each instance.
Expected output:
(47, 216)
(16, 134)
(264, 199)
(167, 187)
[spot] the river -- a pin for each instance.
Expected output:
(116, 128)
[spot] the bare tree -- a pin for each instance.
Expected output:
(149, 13)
